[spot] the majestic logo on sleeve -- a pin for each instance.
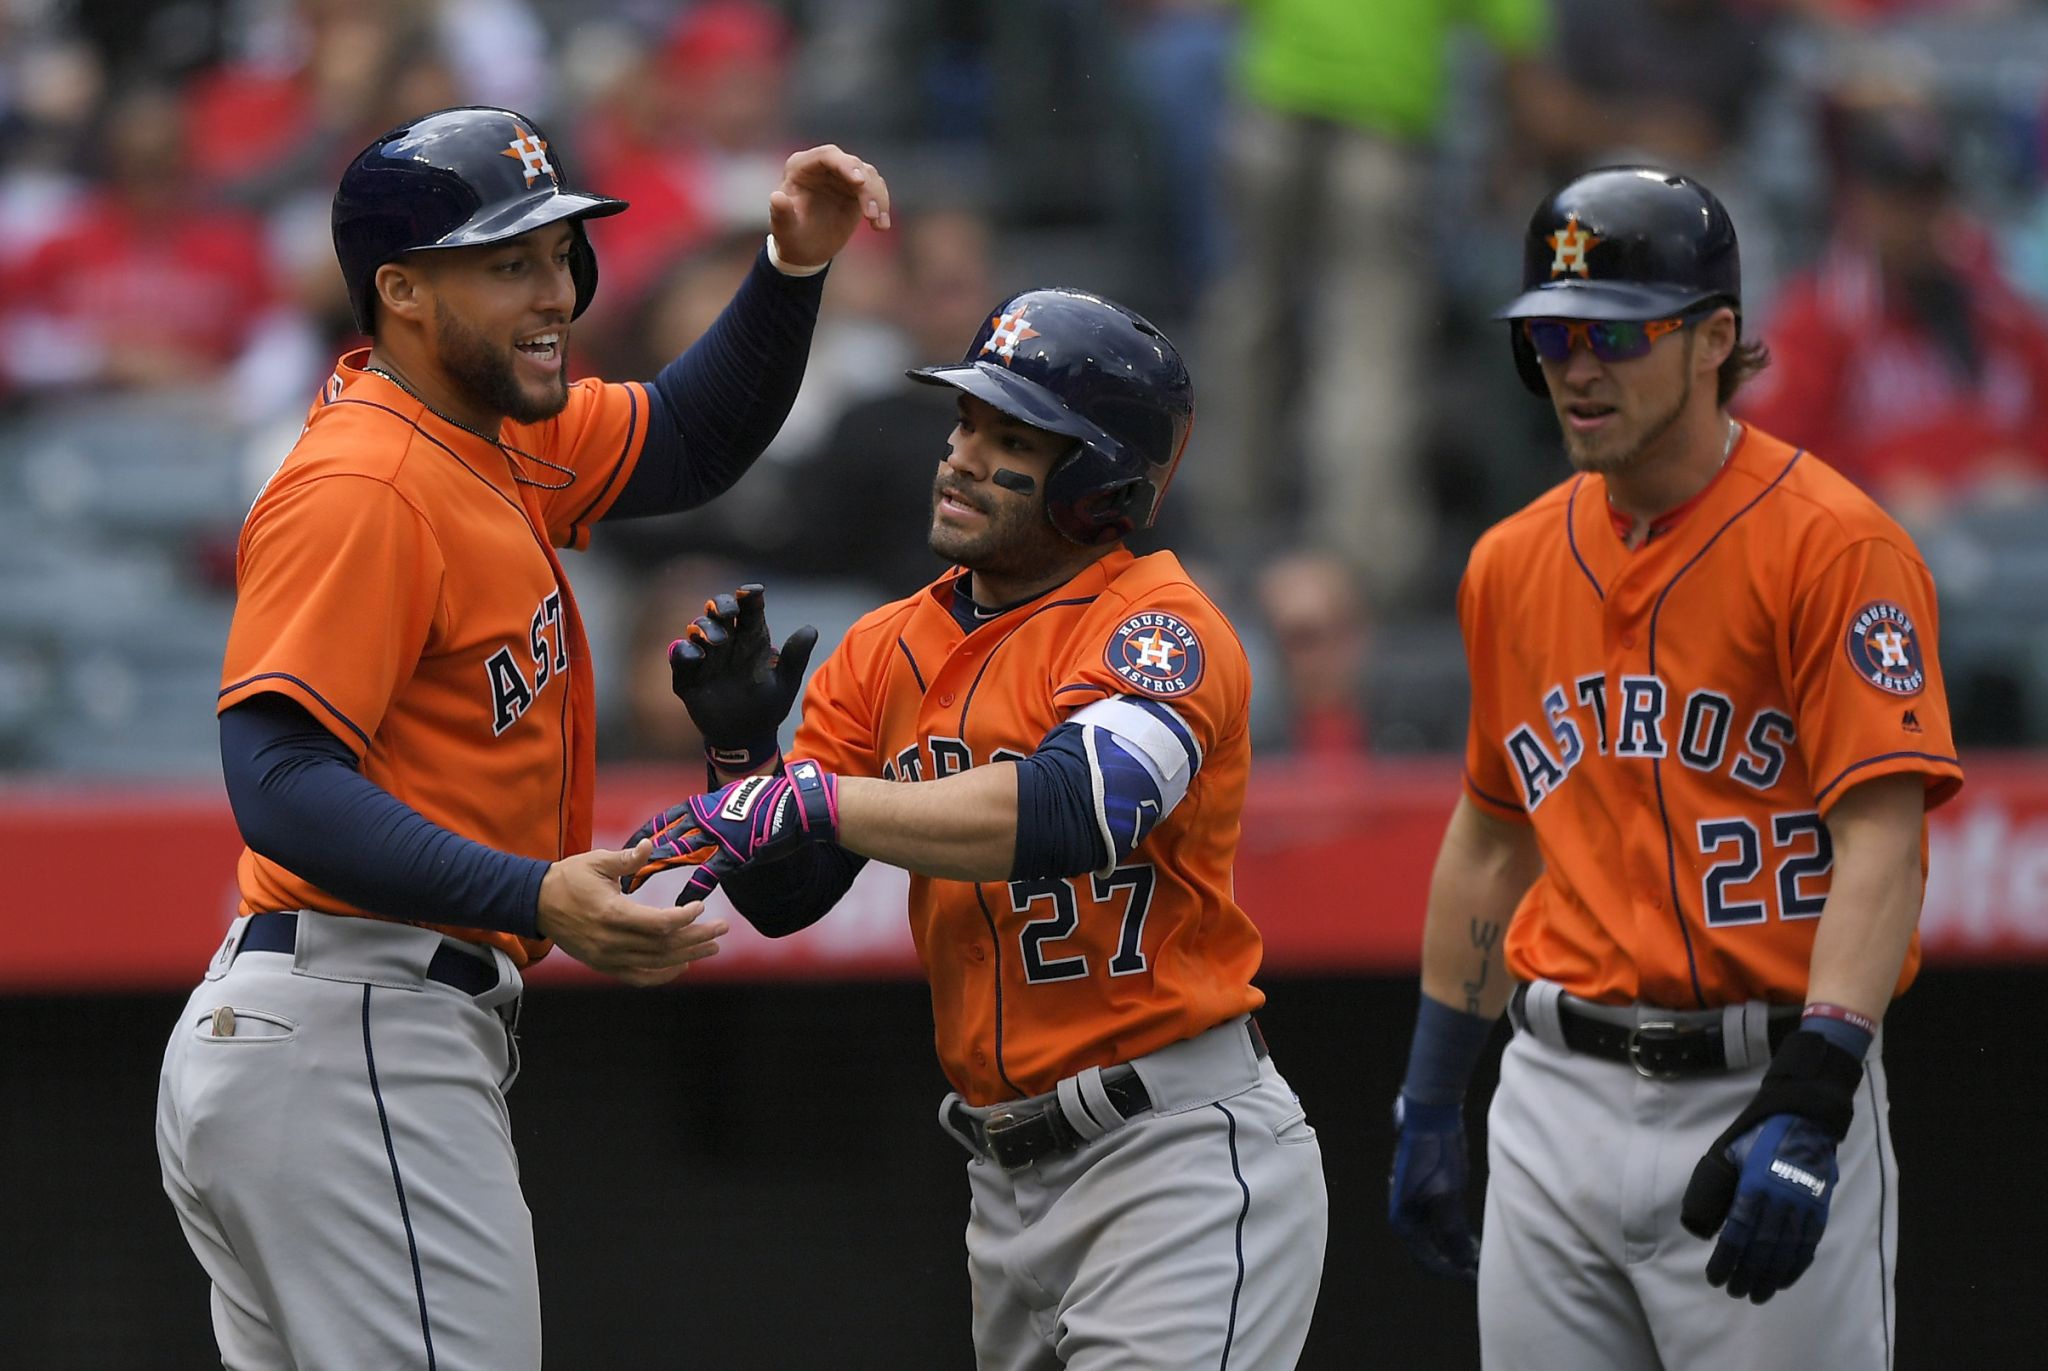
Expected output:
(1884, 647)
(1157, 653)
(1569, 246)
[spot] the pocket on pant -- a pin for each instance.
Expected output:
(232, 1023)
(1294, 1127)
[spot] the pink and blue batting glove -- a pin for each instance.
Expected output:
(755, 819)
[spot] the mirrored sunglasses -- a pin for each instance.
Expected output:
(1610, 340)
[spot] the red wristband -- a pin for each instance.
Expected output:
(1854, 1018)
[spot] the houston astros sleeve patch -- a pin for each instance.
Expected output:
(1156, 652)
(1884, 648)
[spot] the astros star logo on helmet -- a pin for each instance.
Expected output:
(1009, 330)
(1569, 246)
(532, 152)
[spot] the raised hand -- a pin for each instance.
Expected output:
(825, 194)
(737, 687)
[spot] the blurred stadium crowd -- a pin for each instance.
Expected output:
(1321, 200)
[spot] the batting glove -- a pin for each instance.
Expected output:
(737, 687)
(1426, 1189)
(1765, 1183)
(755, 819)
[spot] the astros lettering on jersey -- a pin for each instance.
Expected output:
(411, 601)
(1060, 975)
(1677, 720)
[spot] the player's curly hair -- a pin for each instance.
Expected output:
(1745, 360)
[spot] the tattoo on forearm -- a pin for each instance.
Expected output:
(1485, 937)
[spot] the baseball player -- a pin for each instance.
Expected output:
(406, 737)
(1707, 723)
(1051, 738)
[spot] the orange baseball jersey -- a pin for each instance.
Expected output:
(396, 580)
(1035, 980)
(1677, 720)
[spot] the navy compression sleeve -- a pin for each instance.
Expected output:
(796, 891)
(301, 802)
(1056, 831)
(714, 409)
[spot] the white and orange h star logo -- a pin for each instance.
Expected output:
(1156, 651)
(532, 152)
(1891, 645)
(1569, 246)
(1010, 330)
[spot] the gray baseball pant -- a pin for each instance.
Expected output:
(1584, 1263)
(1189, 1236)
(338, 1150)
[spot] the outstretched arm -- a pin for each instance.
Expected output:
(960, 828)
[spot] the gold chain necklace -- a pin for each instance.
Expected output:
(568, 474)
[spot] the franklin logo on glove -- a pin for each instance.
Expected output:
(1785, 1171)
(740, 797)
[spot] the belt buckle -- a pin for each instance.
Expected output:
(996, 1131)
(1019, 1136)
(1635, 1049)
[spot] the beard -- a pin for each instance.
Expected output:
(1596, 454)
(486, 373)
(1014, 540)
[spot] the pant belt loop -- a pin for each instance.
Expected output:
(1539, 1008)
(954, 1100)
(504, 996)
(229, 945)
(1746, 1034)
(1086, 1104)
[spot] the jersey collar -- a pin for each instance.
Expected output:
(950, 593)
(1671, 518)
(352, 382)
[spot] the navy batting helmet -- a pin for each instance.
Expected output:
(451, 179)
(1623, 243)
(1087, 368)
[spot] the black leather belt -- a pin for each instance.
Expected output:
(1017, 1134)
(1653, 1047)
(278, 931)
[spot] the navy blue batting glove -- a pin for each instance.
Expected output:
(1426, 1189)
(1765, 1183)
(1786, 1176)
(736, 684)
(755, 819)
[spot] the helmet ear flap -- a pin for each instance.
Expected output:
(582, 267)
(1104, 514)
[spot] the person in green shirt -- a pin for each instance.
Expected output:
(1326, 177)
